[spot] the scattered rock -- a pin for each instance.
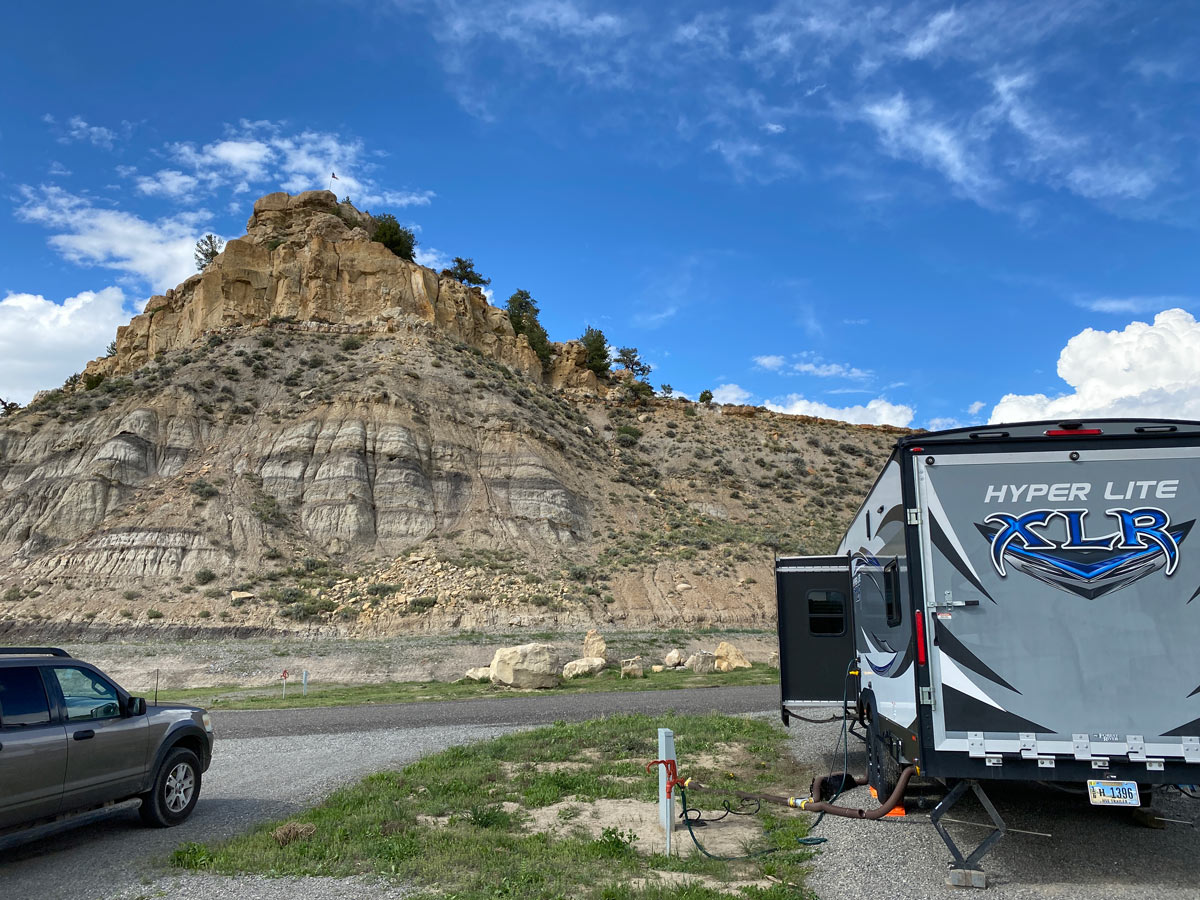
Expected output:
(632, 668)
(730, 657)
(588, 665)
(594, 645)
(242, 596)
(479, 673)
(525, 666)
(304, 395)
(673, 659)
(773, 659)
(657, 668)
(702, 663)
(683, 586)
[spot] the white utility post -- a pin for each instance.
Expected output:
(666, 805)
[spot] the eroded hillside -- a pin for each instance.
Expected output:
(395, 468)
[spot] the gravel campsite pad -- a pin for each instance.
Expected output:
(1092, 852)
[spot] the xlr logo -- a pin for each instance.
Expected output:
(1052, 545)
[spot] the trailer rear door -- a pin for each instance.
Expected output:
(816, 634)
(1062, 599)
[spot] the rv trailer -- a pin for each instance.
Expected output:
(1019, 602)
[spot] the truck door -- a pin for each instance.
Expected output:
(816, 634)
(33, 748)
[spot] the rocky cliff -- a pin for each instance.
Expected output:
(315, 434)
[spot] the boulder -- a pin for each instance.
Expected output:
(525, 666)
(673, 659)
(730, 657)
(702, 663)
(632, 668)
(594, 645)
(479, 673)
(657, 668)
(588, 665)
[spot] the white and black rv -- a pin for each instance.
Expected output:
(1014, 602)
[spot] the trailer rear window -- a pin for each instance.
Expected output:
(827, 613)
(891, 593)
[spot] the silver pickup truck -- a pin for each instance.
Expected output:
(72, 740)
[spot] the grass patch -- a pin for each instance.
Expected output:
(456, 823)
(237, 697)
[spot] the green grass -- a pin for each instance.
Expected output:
(237, 697)
(441, 822)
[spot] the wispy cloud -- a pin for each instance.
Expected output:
(76, 129)
(770, 363)
(1134, 305)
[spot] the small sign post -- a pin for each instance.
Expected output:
(283, 679)
(304, 682)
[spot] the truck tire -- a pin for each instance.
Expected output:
(176, 787)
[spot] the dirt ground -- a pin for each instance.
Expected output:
(176, 664)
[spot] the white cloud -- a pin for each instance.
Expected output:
(159, 253)
(906, 134)
(976, 408)
(58, 170)
(774, 128)
(167, 183)
(731, 393)
(1134, 305)
(1142, 370)
(76, 129)
(817, 366)
(1111, 180)
(431, 258)
(42, 342)
(654, 319)
(943, 423)
(770, 363)
(875, 412)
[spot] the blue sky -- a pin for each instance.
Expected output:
(921, 214)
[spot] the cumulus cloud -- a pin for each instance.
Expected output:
(976, 408)
(1143, 370)
(820, 368)
(875, 412)
(42, 342)
(431, 258)
(159, 253)
(943, 423)
(731, 393)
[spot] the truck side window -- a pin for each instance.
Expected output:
(827, 613)
(87, 695)
(891, 593)
(23, 698)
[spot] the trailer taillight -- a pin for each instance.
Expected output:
(920, 637)
(1072, 432)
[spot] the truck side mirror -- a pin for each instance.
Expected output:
(137, 706)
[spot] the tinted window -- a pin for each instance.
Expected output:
(827, 612)
(22, 698)
(891, 593)
(88, 696)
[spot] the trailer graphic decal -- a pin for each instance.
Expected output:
(1144, 542)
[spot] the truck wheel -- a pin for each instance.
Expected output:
(176, 788)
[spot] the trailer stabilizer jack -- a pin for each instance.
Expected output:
(963, 871)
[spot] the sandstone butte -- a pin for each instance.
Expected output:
(315, 436)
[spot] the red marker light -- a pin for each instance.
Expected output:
(917, 450)
(1063, 432)
(921, 637)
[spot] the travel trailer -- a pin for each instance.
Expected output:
(1017, 602)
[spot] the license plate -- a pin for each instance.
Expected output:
(1113, 793)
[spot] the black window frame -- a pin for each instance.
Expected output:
(892, 605)
(808, 598)
(51, 705)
